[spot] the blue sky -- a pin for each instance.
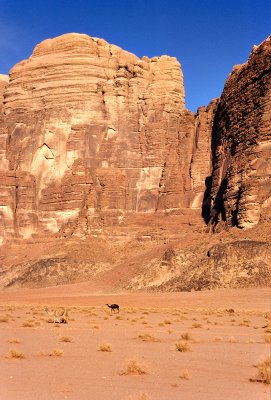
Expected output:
(208, 37)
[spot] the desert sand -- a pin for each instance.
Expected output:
(225, 332)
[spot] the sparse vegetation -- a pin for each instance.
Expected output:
(182, 346)
(264, 371)
(186, 336)
(106, 347)
(134, 367)
(15, 354)
(65, 339)
(29, 324)
(185, 375)
(147, 337)
(56, 353)
(14, 341)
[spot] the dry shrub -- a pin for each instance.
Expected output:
(4, 318)
(182, 346)
(218, 339)
(15, 341)
(29, 324)
(65, 339)
(185, 375)
(15, 354)
(134, 367)
(106, 347)
(186, 336)
(147, 337)
(264, 371)
(56, 353)
(196, 325)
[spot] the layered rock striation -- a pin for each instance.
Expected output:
(240, 189)
(90, 133)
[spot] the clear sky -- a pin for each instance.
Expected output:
(208, 37)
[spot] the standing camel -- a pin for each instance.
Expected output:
(113, 307)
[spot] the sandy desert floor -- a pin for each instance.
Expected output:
(133, 355)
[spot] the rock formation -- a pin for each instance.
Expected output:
(241, 180)
(91, 133)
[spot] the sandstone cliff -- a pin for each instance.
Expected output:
(92, 133)
(241, 180)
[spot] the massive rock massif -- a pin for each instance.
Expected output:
(96, 143)
(91, 133)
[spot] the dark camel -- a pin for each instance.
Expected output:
(113, 307)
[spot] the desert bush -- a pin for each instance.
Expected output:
(134, 367)
(65, 339)
(182, 346)
(15, 354)
(186, 336)
(147, 337)
(13, 340)
(185, 375)
(196, 325)
(264, 371)
(56, 353)
(106, 347)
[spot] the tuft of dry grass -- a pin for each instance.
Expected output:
(134, 367)
(196, 325)
(186, 336)
(15, 354)
(185, 375)
(147, 337)
(106, 347)
(264, 371)
(29, 324)
(56, 353)
(14, 341)
(65, 339)
(182, 346)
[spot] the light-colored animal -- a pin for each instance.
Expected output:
(59, 316)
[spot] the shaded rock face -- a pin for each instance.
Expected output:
(92, 132)
(241, 180)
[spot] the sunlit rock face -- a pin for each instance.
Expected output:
(90, 132)
(241, 180)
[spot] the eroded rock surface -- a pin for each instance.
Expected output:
(92, 133)
(241, 180)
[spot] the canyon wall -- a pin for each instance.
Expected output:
(240, 191)
(89, 133)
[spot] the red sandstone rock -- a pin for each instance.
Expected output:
(94, 132)
(93, 136)
(241, 181)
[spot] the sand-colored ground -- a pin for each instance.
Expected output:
(64, 361)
